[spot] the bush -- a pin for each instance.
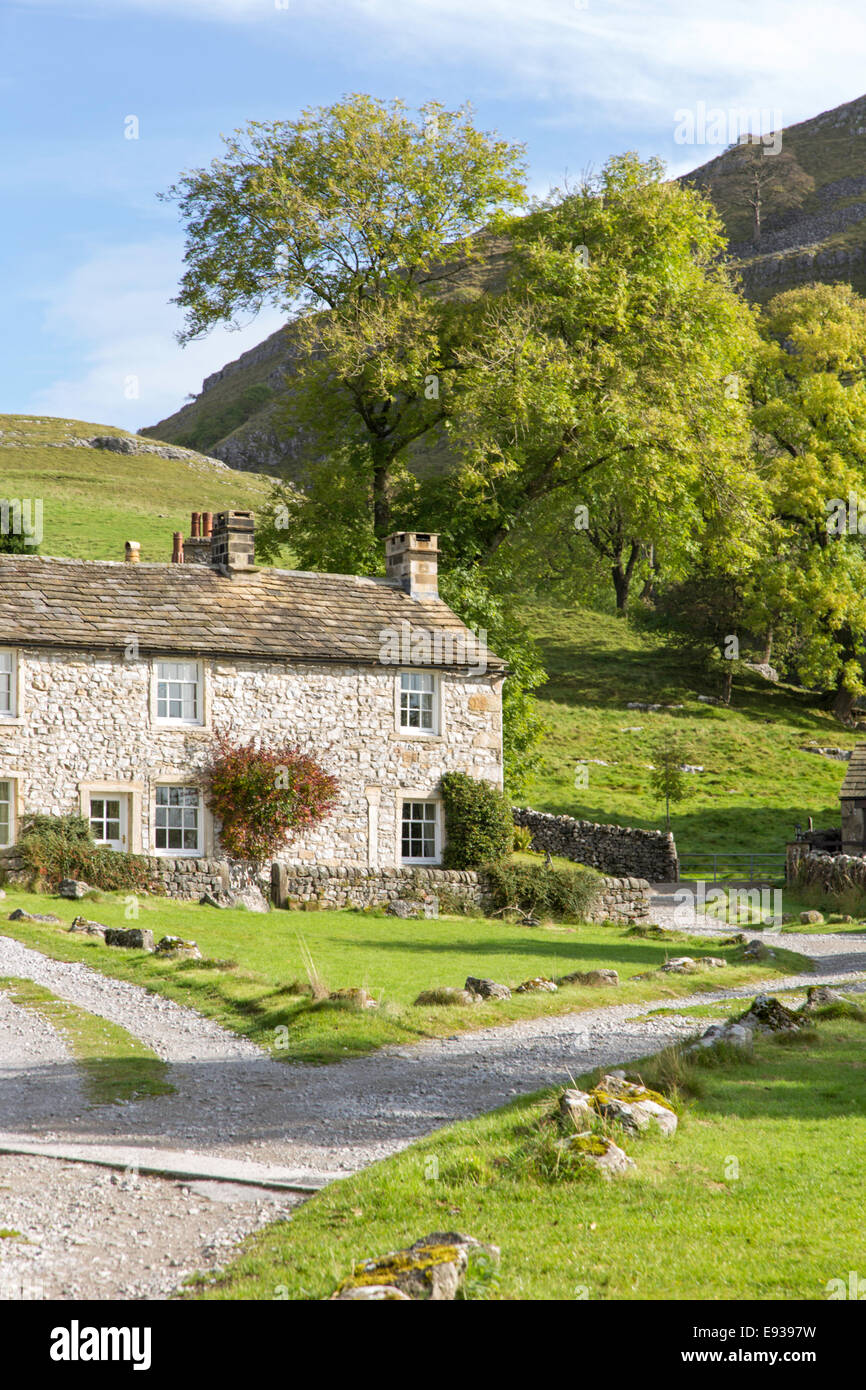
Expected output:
(261, 795)
(478, 824)
(58, 847)
(521, 839)
(538, 889)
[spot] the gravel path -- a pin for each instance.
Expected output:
(235, 1101)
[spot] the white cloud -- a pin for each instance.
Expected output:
(112, 316)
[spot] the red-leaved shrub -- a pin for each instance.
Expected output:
(262, 795)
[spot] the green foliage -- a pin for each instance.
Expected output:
(261, 795)
(478, 824)
(561, 893)
(57, 847)
(521, 839)
(667, 778)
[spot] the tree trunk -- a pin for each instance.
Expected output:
(381, 500)
(843, 704)
(768, 647)
(622, 576)
(728, 683)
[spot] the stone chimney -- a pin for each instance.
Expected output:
(412, 557)
(198, 544)
(232, 549)
(132, 553)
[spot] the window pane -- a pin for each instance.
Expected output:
(5, 812)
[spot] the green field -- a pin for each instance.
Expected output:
(715, 1212)
(757, 784)
(255, 968)
(94, 499)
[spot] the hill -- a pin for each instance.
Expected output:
(818, 233)
(101, 486)
(755, 783)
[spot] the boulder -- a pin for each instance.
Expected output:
(768, 1015)
(575, 1105)
(19, 915)
(488, 989)
(598, 979)
(370, 1293)
(131, 938)
(73, 888)
(447, 996)
(756, 950)
(221, 898)
(601, 1153)
(631, 1105)
(811, 918)
(253, 899)
(433, 1268)
(680, 965)
(175, 948)
(737, 1034)
(713, 962)
(81, 924)
(539, 985)
(356, 997)
(816, 995)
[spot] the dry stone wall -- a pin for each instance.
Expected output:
(612, 849)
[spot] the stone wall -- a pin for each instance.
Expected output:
(612, 849)
(311, 888)
(832, 872)
(88, 721)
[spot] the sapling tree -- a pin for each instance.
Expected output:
(667, 778)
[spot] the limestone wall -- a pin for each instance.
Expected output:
(612, 849)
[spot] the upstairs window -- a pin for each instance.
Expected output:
(7, 684)
(418, 701)
(178, 692)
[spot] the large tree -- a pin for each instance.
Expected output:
(353, 220)
(609, 379)
(809, 391)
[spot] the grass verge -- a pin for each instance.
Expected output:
(115, 1066)
(253, 977)
(715, 1212)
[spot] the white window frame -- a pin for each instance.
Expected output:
(132, 792)
(12, 782)
(436, 803)
(179, 721)
(166, 852)
(412, 731)
(10, 714)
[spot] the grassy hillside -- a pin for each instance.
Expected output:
(95, 499)
(756, 784)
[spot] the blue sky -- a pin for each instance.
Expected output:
(90, 259)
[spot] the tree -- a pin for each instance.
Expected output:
(667, 778)
(754, 177)
(607, 378)
(809, 413)
(353, 219)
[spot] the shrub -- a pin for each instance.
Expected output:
(538, 889)
(262, 795)
(521, 839)
(478, 823)
(57, 847)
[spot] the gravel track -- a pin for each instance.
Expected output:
(233, 1100)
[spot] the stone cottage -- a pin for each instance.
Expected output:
(114, 677)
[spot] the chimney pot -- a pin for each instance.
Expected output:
(195, 526)
(132, 553)
(412, 557)
(207, 525)
(177, 548)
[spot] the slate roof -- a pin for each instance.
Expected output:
(855, 777)
(287, 615)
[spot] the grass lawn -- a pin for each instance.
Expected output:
(757, 784)
(115, 1066)
(715, 1212)
(249, 980)
(95, 499)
